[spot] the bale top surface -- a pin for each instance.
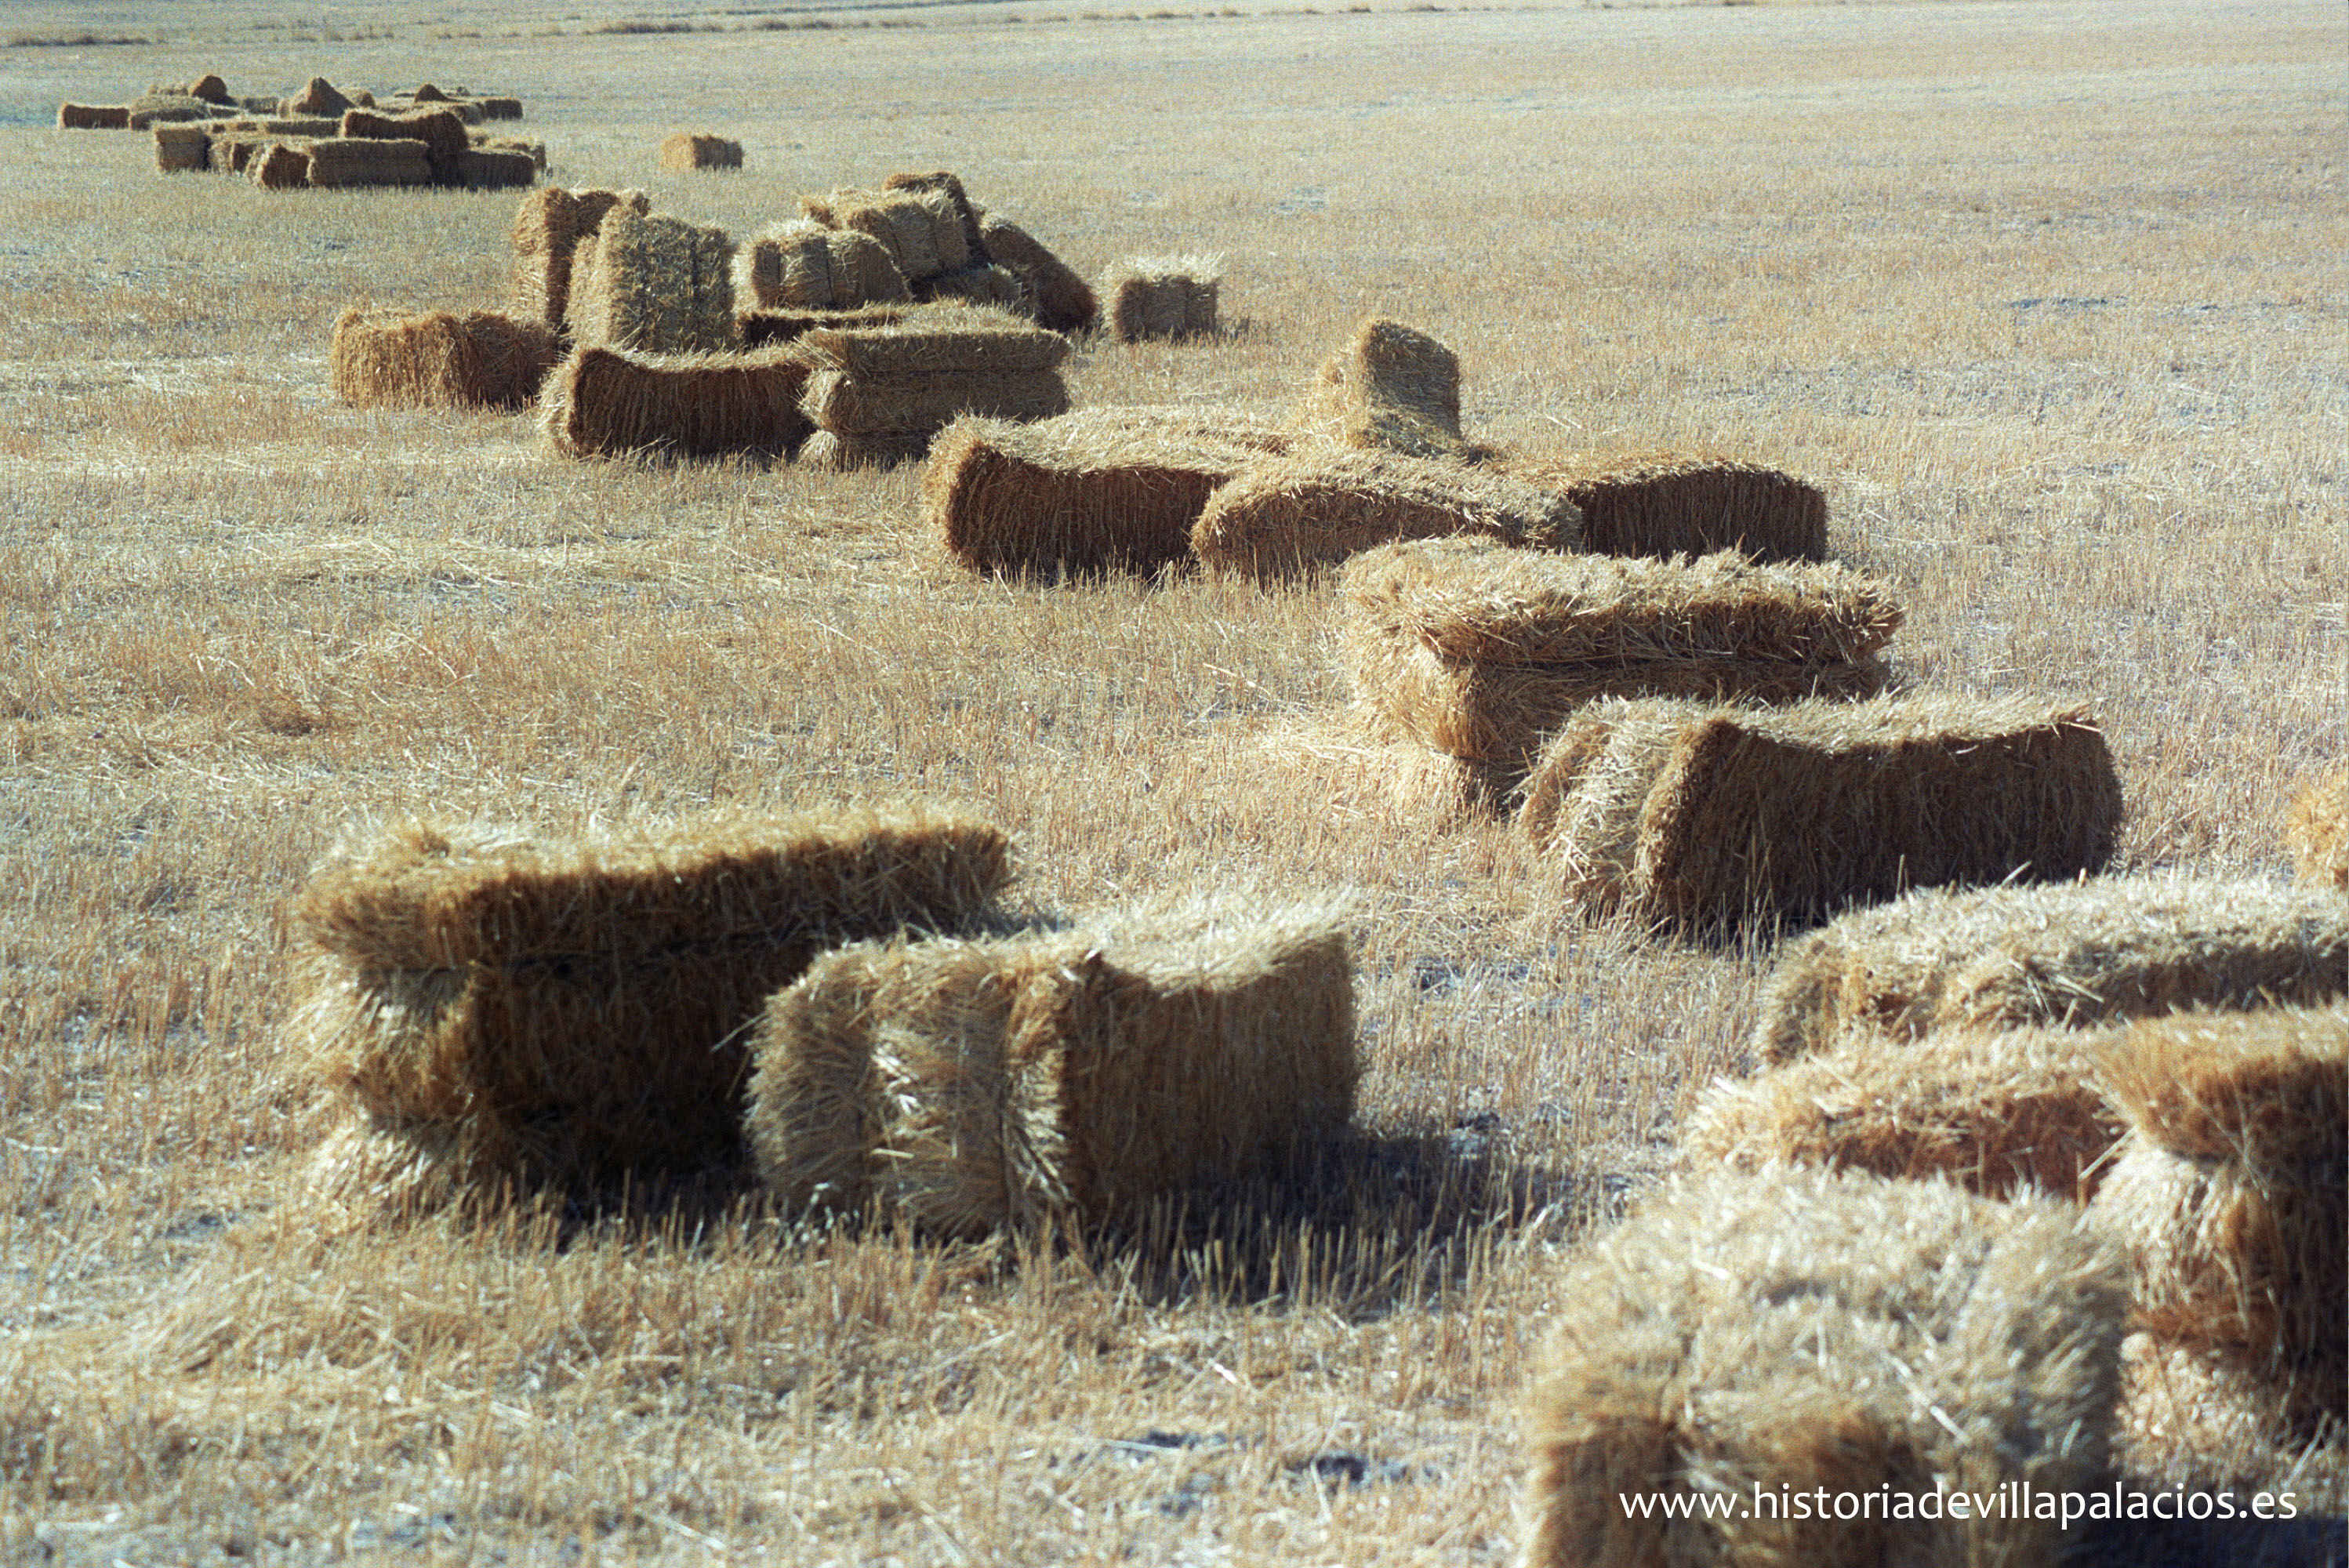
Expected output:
(940, 338)
(1473, 601)
(2270, 1087)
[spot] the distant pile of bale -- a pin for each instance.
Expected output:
(835, 1000)
(321, 138)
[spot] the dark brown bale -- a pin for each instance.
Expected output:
(1063, 300)
(1683, 503)
(93, 117)
(690, 150)
(359, 161)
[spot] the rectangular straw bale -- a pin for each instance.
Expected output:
(653, 284)
(1741, 1337)
(949, 187)
(1316, 506)
(1388, 387)
(359, 162)
(281, 166)
(2318, 830)
(847, 405)
(172, 108)
(920, 230)
(179, 149)
(1064, 302)
(605, 402)
(787, 267)
(2112, 948)
(1683, 503)
(2192, 1421)
(1697, 816)
(499, 107)
(1155, 297)
(319, 97)
(934, 341)
(2231, 1192)
(93, 117)
(546, 233)
(533, 150)
(311, 125)
(1482, 651)
(686, 151)
(1996, 1112)
(767, 328)
(477, 360)
(230, 150)
(440, 131)
(831, 449)
(570, 1011)
(1098, 490)
(971, 1087)
(984, 284)
(490, 168)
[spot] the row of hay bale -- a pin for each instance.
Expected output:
(2039, 1184)
(836, 999)
(208, 97)
(426, 145)
(1374, 453)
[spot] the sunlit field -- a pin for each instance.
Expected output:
(2048, 296)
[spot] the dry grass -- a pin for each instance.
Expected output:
(2045, 300)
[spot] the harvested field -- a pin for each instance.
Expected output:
(2109, 948)
(1682, 503)
(1317, 506)
(1809, 1329)
(1485, 651)
(477, 360)
(1103, 490)
(605, 402)
(1077, 1076)
(1695, 817)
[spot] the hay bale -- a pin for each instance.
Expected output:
(181, 147)
(481, 141)
(831, 449)
(440, 131)
(1683, 503)
(231, 150)
(2231, 1192)
(2114, 948)
(1994, 1111)
(319, 98)
(846, 406)
(1747, 1336)
(359, 162)
(1696, 817)
(209, 89)
(802, 265)
(568, 1012)
(985, 284)
(284, 167)
(546, 233)
(93, 117)
(687, 150)
(1099, 489)
(607, 402)
(767, 328)
(920, 230)
(499, 107)
(170, 108)
(935, 342)
(950, 187)
(1388, 387)
(1064, 302)
(362, 98)
(1156, 298)
(1317, 506)
(653, 284)
(428, 93)
(2196, 1421)
(2318, 830)
(494, 169)
(1485, 650)
(970, 1086)
(437, 360)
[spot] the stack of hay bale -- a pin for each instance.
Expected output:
(547, 230)
(1316, 505)
(926, 226)
(1477, 652)
(877, 395)
(491, 1008)
(478, 359)
(793, 274)
(428, 143)
(646, 282)
(687, 150)
(1163, 297)
(1099, 489)
(1073, 1075)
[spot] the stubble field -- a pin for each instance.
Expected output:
(2048, 298)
